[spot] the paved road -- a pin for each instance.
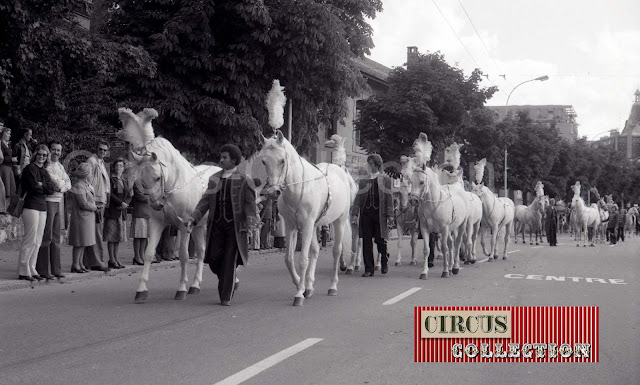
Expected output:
(91, 332)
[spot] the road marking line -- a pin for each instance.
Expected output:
(268, 362)
(512, 251)
(537, 247)
(402, 296)
(483, 260)
(611, 245)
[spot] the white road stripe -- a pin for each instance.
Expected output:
(611, 245)
(268, 362)
(512, 251)
(483, 260)
(537, 247)
(402, 296)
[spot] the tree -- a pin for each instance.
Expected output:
(428, 96)
(216, 61)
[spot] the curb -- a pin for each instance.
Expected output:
(11, 284)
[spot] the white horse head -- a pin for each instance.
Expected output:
(422, 182)
(478, 188)
(276, 155)
(336, 143)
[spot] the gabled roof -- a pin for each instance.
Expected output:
(373, 69)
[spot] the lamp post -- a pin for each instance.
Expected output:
(506, 114)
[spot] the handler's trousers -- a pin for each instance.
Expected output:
(223, 256)
(370, 228)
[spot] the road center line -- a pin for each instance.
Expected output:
(268, 362)
(402, 296)
(512, 251)
(537, 247)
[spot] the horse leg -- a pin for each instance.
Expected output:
(463, 237)
(181, 293)
(155, 231)
(494, 235)
(425, 236)
(342, 233)
(414, 242)
(444, 242)
(197, 234)
(400, 234)
(289, 255)
(507, 230)
(308, 232)
(310, 275)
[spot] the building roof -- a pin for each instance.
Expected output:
(373, 69)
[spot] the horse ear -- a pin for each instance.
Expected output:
(279, 136)
(262, 139)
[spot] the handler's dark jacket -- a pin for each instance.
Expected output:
(243, 200)
(385, 200)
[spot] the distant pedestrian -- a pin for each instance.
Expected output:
(22, 150)
(48, 264)
(139, 222)
(101, 183)
(622, 220)
(551, 219)
(7, 173)
(612, 224)
(115, 214)
(82, 234)
(36, 184)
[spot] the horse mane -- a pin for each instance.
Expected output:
(479, 170)
(162, 144)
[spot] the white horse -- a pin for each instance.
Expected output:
(174, 187)
(405, 218)
(308, 196)
(530, 216)
(585, 216)
(497, 213)
(450, 175)
(439, 211)
(630, 221)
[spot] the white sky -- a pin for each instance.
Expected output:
(590, 49)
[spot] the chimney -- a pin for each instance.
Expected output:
(412, 55)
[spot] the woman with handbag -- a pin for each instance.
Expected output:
(114, 224)
(35, 184)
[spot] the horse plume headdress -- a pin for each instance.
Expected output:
(452, 155)
(422, 149)
(136, 128)
(275, 105)
(479, 170)
(595, 193)
(576, 189)
(539, 189)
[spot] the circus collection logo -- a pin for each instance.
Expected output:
(506, 334)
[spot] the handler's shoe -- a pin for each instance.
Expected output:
(225, 303)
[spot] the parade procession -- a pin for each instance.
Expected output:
(327, 192)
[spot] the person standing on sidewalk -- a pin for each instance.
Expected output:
(115, 214)
(374, 205)
(612, 225)
(48, 265)
(99, 179)
(622, 220)
(231, 202)
(36, 184)
(139, 222)
(8, 160)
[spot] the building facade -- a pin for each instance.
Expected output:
(564, 117)
(626, 142)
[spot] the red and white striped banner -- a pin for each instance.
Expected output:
(532, 334)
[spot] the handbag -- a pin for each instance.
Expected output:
(16, 205)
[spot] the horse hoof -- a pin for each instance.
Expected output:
(584, 245)
(141, 296)
(195, 290)
(357, 268)
(398, 263)
(308, 293)
(455, 271)
(181, 294)
(531, 243)
(445, 274)
(466, 262)
(490, 259)
(414, 263)
(343, 268)
(298, 301)
(592, 245)
(473, 262)
(578, 245)
(504, 258)
(376, 268)
(495, 257)
(537, 244)
(430, 264)
(349, 272)
(423, 276)
(332, 292)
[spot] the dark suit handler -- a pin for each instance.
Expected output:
(231, 202)
(374, 204)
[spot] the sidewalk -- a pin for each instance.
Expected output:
(9, 265)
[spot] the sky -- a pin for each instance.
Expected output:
(590, 50)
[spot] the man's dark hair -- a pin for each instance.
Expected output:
(234, 152)
(51, 143)
(104, 143)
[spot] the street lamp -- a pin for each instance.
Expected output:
(506, 114)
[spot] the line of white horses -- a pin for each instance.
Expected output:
(311, 195)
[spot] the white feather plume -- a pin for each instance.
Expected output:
(479, 169)
(539, 189)
(422, 149)
(336, 142)
(452, 155)
(275, 105)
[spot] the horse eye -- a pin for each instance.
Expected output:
(281, 161)
(263, 162)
